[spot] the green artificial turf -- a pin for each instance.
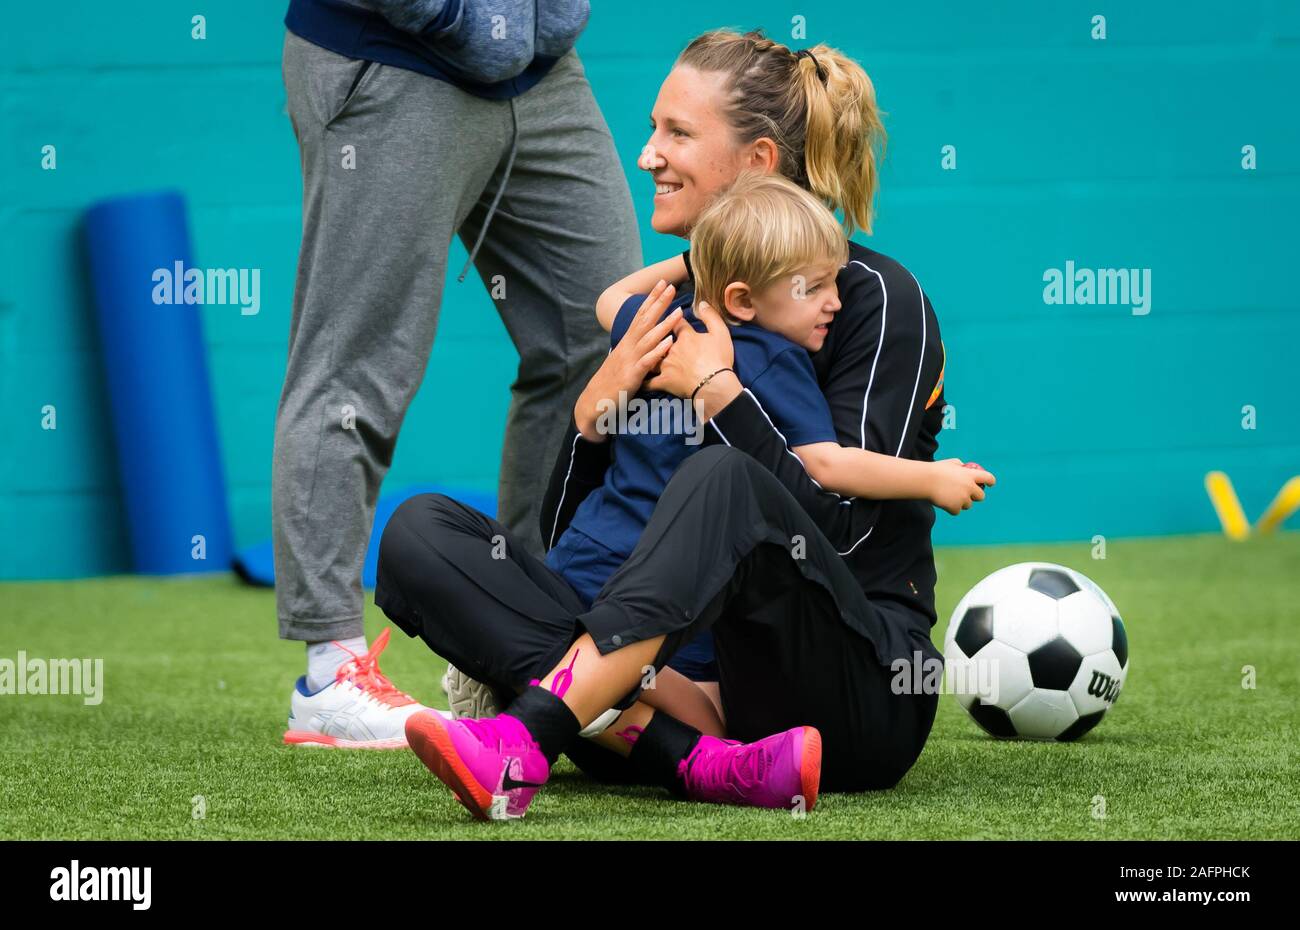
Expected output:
(197, 686)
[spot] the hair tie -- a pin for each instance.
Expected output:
(805, 53)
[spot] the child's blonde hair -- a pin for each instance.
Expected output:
(761, 230)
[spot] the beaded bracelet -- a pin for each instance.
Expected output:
(707, 380)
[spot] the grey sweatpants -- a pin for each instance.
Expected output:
(393, 164)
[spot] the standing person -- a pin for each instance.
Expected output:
(811, 597)
(417, 120)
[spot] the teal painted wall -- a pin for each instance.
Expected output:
(1121, 153)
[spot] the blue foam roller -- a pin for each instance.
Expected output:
(159, 396)
(256, 563)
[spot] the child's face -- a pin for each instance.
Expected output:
(800, 308)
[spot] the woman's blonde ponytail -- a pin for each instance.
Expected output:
(843, 136)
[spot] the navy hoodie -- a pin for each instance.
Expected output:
(495, 49)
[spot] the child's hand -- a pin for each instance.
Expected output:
(956, 486)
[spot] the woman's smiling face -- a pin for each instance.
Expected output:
(692, 153)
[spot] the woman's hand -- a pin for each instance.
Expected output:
(695, 355)
(955, 486)
(637, 354)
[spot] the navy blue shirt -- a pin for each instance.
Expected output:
(779, 375)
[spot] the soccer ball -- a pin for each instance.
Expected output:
(1039, 652)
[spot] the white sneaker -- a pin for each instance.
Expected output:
(467, 697)
(470, 698)
(361, 709)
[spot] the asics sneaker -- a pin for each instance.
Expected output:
(361, 709)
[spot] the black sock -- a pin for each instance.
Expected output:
(547, 718)
(660, 748)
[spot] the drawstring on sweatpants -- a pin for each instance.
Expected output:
(501, 189)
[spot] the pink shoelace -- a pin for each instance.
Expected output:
(363, 671)
(727, 777)
(563, 678)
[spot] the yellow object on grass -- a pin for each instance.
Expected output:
(1286, 503)
(1224, 498)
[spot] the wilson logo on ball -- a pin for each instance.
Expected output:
(1054, 644)
(1104, 687)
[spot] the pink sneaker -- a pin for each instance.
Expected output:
(493, 765)
(776, 771)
